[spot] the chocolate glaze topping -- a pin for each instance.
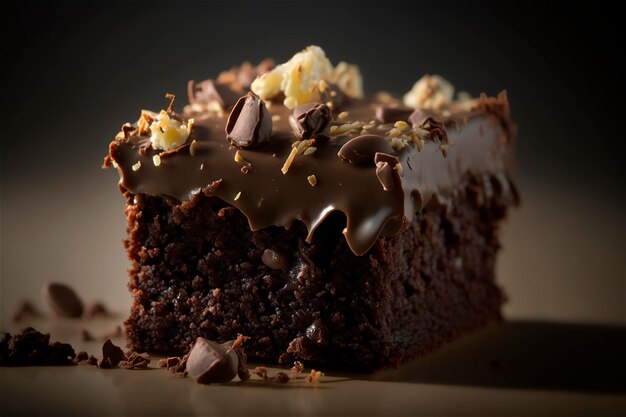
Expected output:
(376, 197)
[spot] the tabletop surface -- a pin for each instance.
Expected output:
(559, 352)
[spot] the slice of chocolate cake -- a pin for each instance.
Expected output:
(331, 228)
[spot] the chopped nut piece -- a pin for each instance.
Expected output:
(345, 128)
(342, 115)
(401, 124)
(289, 160)
(238, 196)
(429, 92)
(348, 78)
(156, 160)
(314, 377)
(137, 166)
(275, 117)
(312, 180)
(192, 148)
(167, 132)
(310, 150)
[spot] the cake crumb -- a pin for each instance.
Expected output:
(297, 367)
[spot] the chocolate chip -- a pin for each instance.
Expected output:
(24, 309)
(361, 150)
(207, 91)
(310, 120)
(274, 260)
(209, 362)
(385, 170)
(111, 355)
(95, 310)
(63, 300)
(427, 120)
(388, 114)
(249, 123)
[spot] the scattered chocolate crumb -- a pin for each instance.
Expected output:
(163, 363)
(63, 300)
(24, 309)
(314, 377)
(297, 367)
(85, 336)
(280, 377)
(135, 360)
(32, 348)
(94, 310)
(112, 355)
(176, 365)
(261, 371)
(81, 356)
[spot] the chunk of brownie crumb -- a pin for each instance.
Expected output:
(33, 348)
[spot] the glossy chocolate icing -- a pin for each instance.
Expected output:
(478, 145)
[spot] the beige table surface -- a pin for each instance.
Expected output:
(561, 351)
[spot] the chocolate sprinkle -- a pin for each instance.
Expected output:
(249, 123)
(63, 300)
(361, 150)
(310, 120)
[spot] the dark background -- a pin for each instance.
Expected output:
(73, 73)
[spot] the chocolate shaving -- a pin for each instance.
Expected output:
(249, 123)
(390, 114)
(209, 91)
(361, 150)
(428, 121)
(135, 360)
(385, 170)
(172, 98)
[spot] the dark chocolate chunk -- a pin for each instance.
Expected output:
(207, 91)
(428, 121)
(210, 362)
(111, 355)
(32, 348)
(361, 150)
(24, 309)
(274, 260)
(63, 300)
(280, 377)
(389, 114)
(249, 123)
(310, 120)
(94, 310)
(385, 170)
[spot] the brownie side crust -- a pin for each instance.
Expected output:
(197, 270)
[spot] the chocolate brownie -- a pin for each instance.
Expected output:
(328, 227)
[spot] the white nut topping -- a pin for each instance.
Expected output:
(429, 92)
(304, 77)
(348, 79)
(167, 132)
